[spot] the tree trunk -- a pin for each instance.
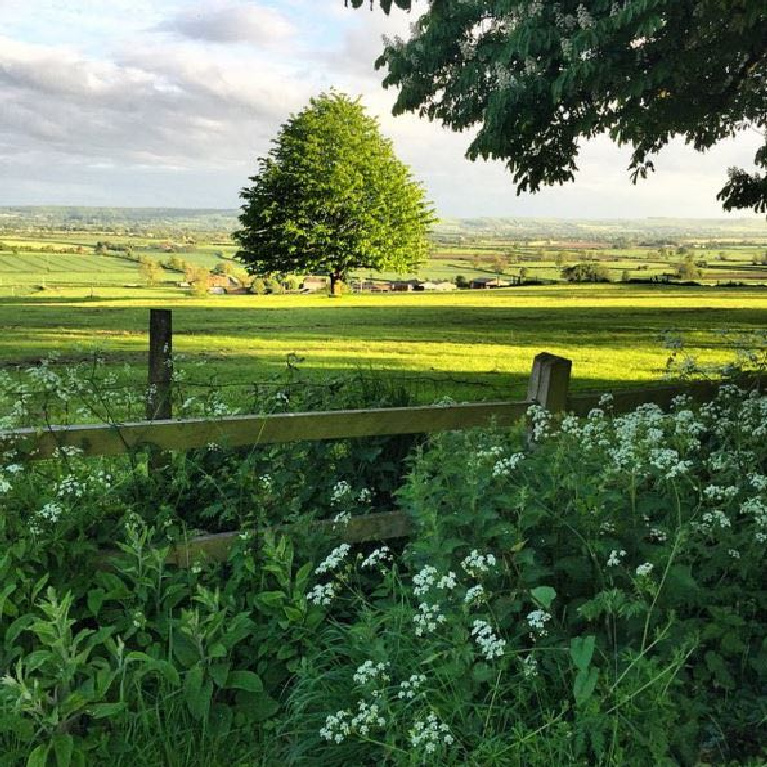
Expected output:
(335, 288)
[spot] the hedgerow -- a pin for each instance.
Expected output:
(577, 591)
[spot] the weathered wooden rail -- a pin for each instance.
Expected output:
(548, 386)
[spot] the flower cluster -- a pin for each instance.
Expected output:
(756, 508)
(537, 620)
(48, 515)
(474, 594)
(529, 666)
(428, 734)
(447, 582)
(719, 494)
(333, 560)
(505, 466)
(322, 594)
(427, 619)
(370, 671)
(490, 645)
(615, 557)
(408, 688)
(541, 421)
(377, 557)
(712, 519)
(424, 580)
(476, 563)
(337, 727)
(365, 495)
(340, 492)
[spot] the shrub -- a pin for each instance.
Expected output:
(595, 600)
(586, 272)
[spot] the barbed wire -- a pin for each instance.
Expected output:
(335, 385)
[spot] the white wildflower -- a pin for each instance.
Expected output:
(478, 563)
(365, 495)
(490, 645)
(447, 582)
(529, 666)
(337, 727)
(429, 733)
(369, 672)
(322, 594)
(427, 619)
(615, 557)
(424, 579)
(368, 715)
(333, 560)
(340, 491)
(379, 556)
(537, 620)
(505, 466)
(409, 687)
(474, 594)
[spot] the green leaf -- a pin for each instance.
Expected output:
(270, 598)
(105, 710)
(585, 682)
(482, 672)
(63, 745)
(219, 672)
(257, 707)
(244, 680)
(199, 692)
(544, 596)
(95, 600)
(39, 757)
(582, 650)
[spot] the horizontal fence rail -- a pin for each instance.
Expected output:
(626, 400)
(238, 431)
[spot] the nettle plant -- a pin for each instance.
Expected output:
(596, 598)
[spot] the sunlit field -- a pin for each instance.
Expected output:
(611, 332)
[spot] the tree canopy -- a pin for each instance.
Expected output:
(332, 196)
(536, 77)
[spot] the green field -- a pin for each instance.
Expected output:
(61, 292)
(35, 260)
(611, 332)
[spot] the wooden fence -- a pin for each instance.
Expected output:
(548, 386)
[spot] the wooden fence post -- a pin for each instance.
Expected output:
(159, 398)
(159, 401)
(550, 382)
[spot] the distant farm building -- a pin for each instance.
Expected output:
(218, 284)
(484, 283)
(439, 285)
(313, 284)
(402, 286)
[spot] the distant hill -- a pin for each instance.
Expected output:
(108, 218)
(76, 217)
(589, 229)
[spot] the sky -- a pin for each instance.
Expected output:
(170, 103)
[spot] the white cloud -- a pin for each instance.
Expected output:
(231, 23)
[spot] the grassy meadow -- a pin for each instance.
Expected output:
(611, 332)
(75, 292)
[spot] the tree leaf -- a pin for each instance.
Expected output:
(244, 680)
(544, 596)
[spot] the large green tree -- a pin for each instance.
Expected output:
(332, 196)
(537, 77)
